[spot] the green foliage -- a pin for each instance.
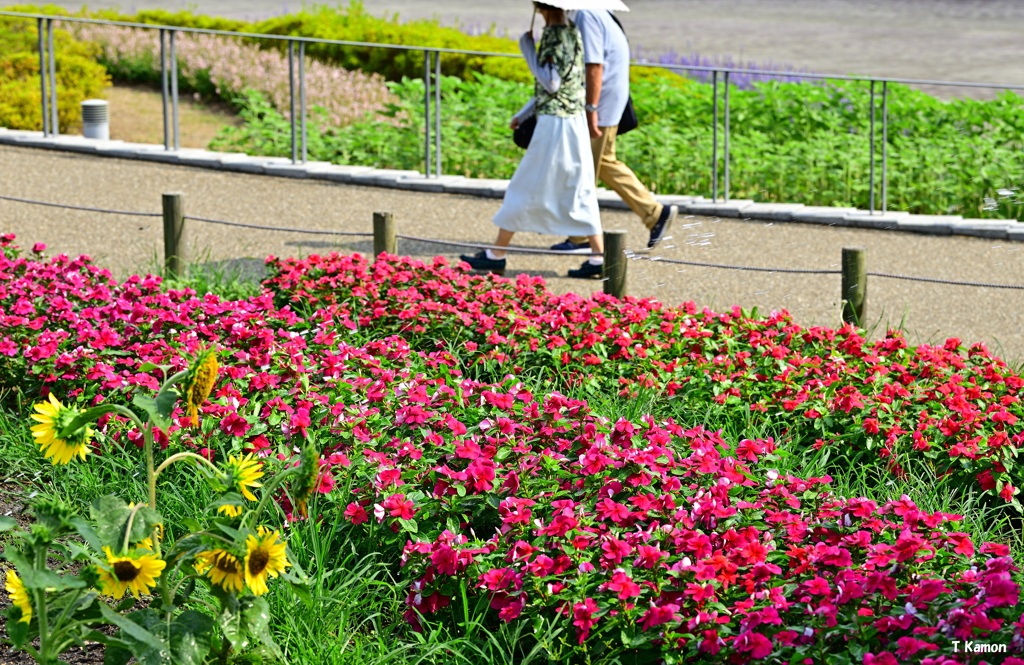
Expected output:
(790, 142)
(355, 24)
(79, 77)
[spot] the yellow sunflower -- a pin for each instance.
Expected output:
(265, 557)
(137, 573)
(53, 417)
(19, 595)
(223, 568)
(201, 377)
(230, 510)
(244, 471)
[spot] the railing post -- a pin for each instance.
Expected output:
(164, 88)
(54, 118)
(871, 140)
(174, 91)
(855, 285)
(437, 114)
(615, 263)
(885, 145)
(42, 78)
(175, 247)
(725, 184)
(714, 136)
(426, 110)
(384, 236)
(302, 99)
(291, 99)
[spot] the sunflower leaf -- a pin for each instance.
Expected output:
(135, 633)
(159, 408)
(110, 514)
(84, 418)
(246, 622)
(190, 638)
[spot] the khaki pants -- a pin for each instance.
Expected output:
(621, 180)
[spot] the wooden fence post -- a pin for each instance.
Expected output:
(384, 239)
(175, 239)
(855, 285)
(615, 263)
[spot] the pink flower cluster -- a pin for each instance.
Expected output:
(952, 409)
(234, 66)
(642, 536)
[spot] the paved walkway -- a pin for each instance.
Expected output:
(928, 312)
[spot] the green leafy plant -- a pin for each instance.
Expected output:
(68, 569)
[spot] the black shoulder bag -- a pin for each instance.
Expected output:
(629, 121)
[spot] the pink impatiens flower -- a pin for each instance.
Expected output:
(583, 618)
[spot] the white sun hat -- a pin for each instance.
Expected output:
(610, 5)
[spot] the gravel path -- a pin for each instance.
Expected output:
(928, 312)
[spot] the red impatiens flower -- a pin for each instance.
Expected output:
(583, 618)
(658, 615)
(356, 513)
(755, 644)
(234, 425)
(398, 506)
(623, 586)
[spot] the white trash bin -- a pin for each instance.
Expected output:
(96, 119)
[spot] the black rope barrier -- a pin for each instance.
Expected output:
(82, 208)
(241, 225)
(725, 266)
(525, 250)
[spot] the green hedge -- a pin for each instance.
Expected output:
(78, 76)
(355, 24)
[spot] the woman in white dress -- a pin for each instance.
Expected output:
(553, 190)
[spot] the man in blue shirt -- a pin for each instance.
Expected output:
(606, 54)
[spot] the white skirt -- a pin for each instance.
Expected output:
(553, 190)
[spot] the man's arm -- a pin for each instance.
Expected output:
(594, 74)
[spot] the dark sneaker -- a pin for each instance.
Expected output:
(570, 247)
(479, 261)
(587, 271)
(668, 215)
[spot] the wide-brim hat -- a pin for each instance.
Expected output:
(609, 5)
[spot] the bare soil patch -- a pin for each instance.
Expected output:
(136, 115)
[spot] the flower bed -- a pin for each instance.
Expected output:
(637, 537)
(229, 68)
(954, 409)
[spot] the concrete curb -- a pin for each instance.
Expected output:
(938, 225)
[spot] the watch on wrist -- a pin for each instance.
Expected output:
(591, 108)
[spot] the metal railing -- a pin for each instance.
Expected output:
(432, 100)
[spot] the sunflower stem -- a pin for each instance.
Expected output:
(40, 595)
(177, 457)
(147, 433)
(128, 529)
(175, 378)
(269, 488)
(129, 414)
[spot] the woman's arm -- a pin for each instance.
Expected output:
(546, 74)
(528, 109)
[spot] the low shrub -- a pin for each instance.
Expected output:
(355, 24)
(79, 77)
